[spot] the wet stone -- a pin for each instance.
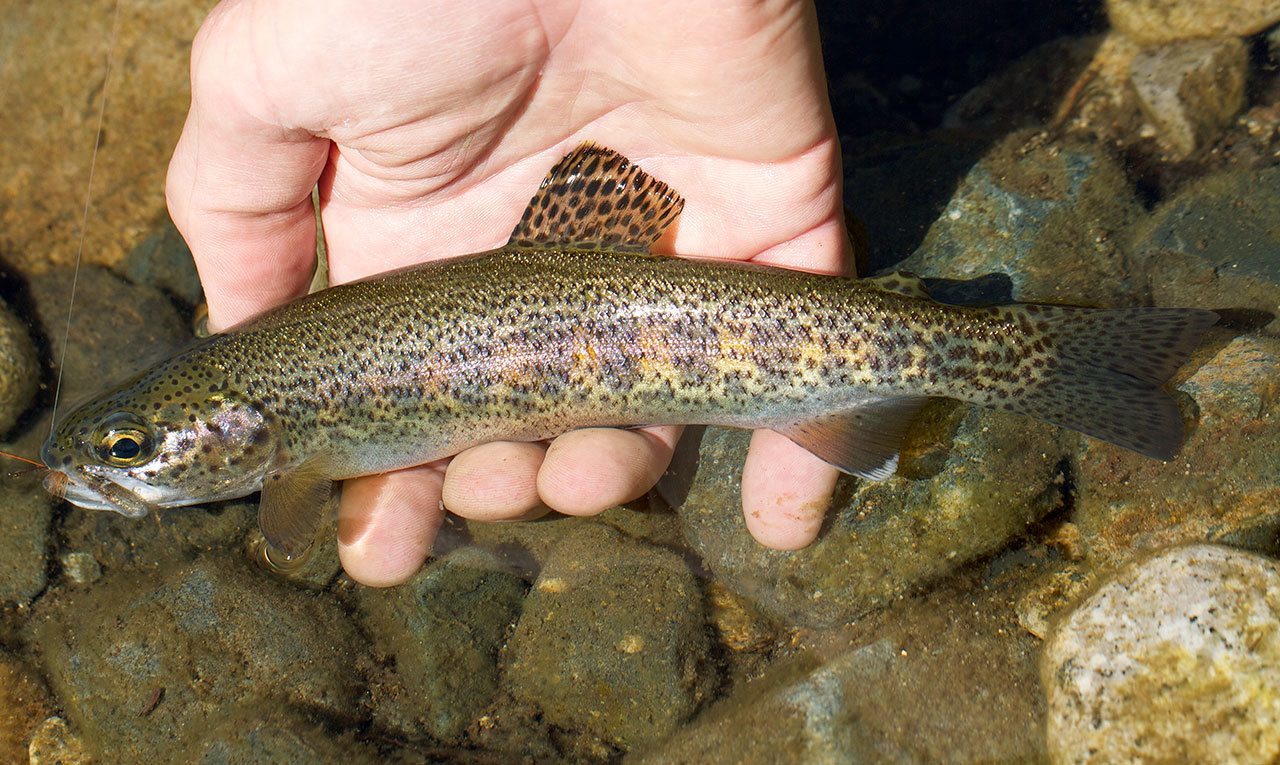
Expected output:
(970, 481)
(53, 743)
(1175, 659)
(81, 567)
(164, 260)
(1157, 21)
(442, 631)
(142, 661)
(24, 702)
(949, 677)
(1220, 487)
(19, 369)
(1190, 91)
(165, 536)
(1046, 215)
(117, 328)
(612, 641)
(269, 733)
(1213, 244)
(25, 517)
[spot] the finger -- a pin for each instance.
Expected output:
(495, 481)
(239, 186)
(785, 491)
(591, 470)
(387, 524)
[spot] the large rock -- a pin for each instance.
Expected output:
(1222, 486)
(612, 640)
(19, 369)
(269, 733)
(1175, 659)
(443, 630)
(1213, 244)
(1046, 215)
(1158, 21)
(970, 481)
(948, 677)
(25, 703)
(1191, 91)
(25, 514)
(116, 328)
(142, 662)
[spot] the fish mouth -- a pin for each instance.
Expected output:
(96, 488)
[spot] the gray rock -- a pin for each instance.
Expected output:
(970, 481)
(612, 641)
(1213, 244)
(164, 260)
(25, 514)
(268, 734)
(19, 369)
(1046, 215)
(1158, 21)
(81, 567)
(1190, 90)
(1175, 659)
(117, 328)
(1221, 487)
(443, 630)
(199, 639)
(944, 678)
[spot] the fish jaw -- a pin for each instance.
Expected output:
(95, 487)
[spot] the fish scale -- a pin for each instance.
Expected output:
(574, 324)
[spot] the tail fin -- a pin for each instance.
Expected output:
(1110, 366)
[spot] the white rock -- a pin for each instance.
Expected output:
(1174, 659)
(1190, 90)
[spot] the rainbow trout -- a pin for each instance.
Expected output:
(574, 323)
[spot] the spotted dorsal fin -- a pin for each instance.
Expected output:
(596, 199)
(901, 282)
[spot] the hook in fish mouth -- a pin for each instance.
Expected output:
(97, 488)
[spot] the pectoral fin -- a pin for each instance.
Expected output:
(863, 441)
(596, 199)
(292, 506)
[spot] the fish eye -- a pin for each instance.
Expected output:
(124, 444)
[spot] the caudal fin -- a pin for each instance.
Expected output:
(1108, 372)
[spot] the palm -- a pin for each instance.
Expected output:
(724, 103)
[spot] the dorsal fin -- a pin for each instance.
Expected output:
(901, 282)
(596, 199)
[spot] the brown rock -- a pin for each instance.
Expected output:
(1190, 90)
(1157, 21)
(24, 702)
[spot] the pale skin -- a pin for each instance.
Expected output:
(428, 124)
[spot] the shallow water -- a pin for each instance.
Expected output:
(913, 631)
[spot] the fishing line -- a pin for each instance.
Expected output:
(88, 199)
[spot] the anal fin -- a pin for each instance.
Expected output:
(292, 506)
(597, 199)
(863, 441)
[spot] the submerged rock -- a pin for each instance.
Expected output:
(54, 743)
(612, 640)
(1175, 659)
(1158, 21)
(141, 662)
(24, 702)
(946, 678)
(1213, 244)
(1046, 215)
(443, 630)
(1221, 487)
(19, 369)
(25, 515)
(973, 480)
(117, 328)
(1190, 90)
(164, 260)
(270, 733)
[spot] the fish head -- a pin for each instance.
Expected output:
(176, 435)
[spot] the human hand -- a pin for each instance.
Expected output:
(428, 125)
